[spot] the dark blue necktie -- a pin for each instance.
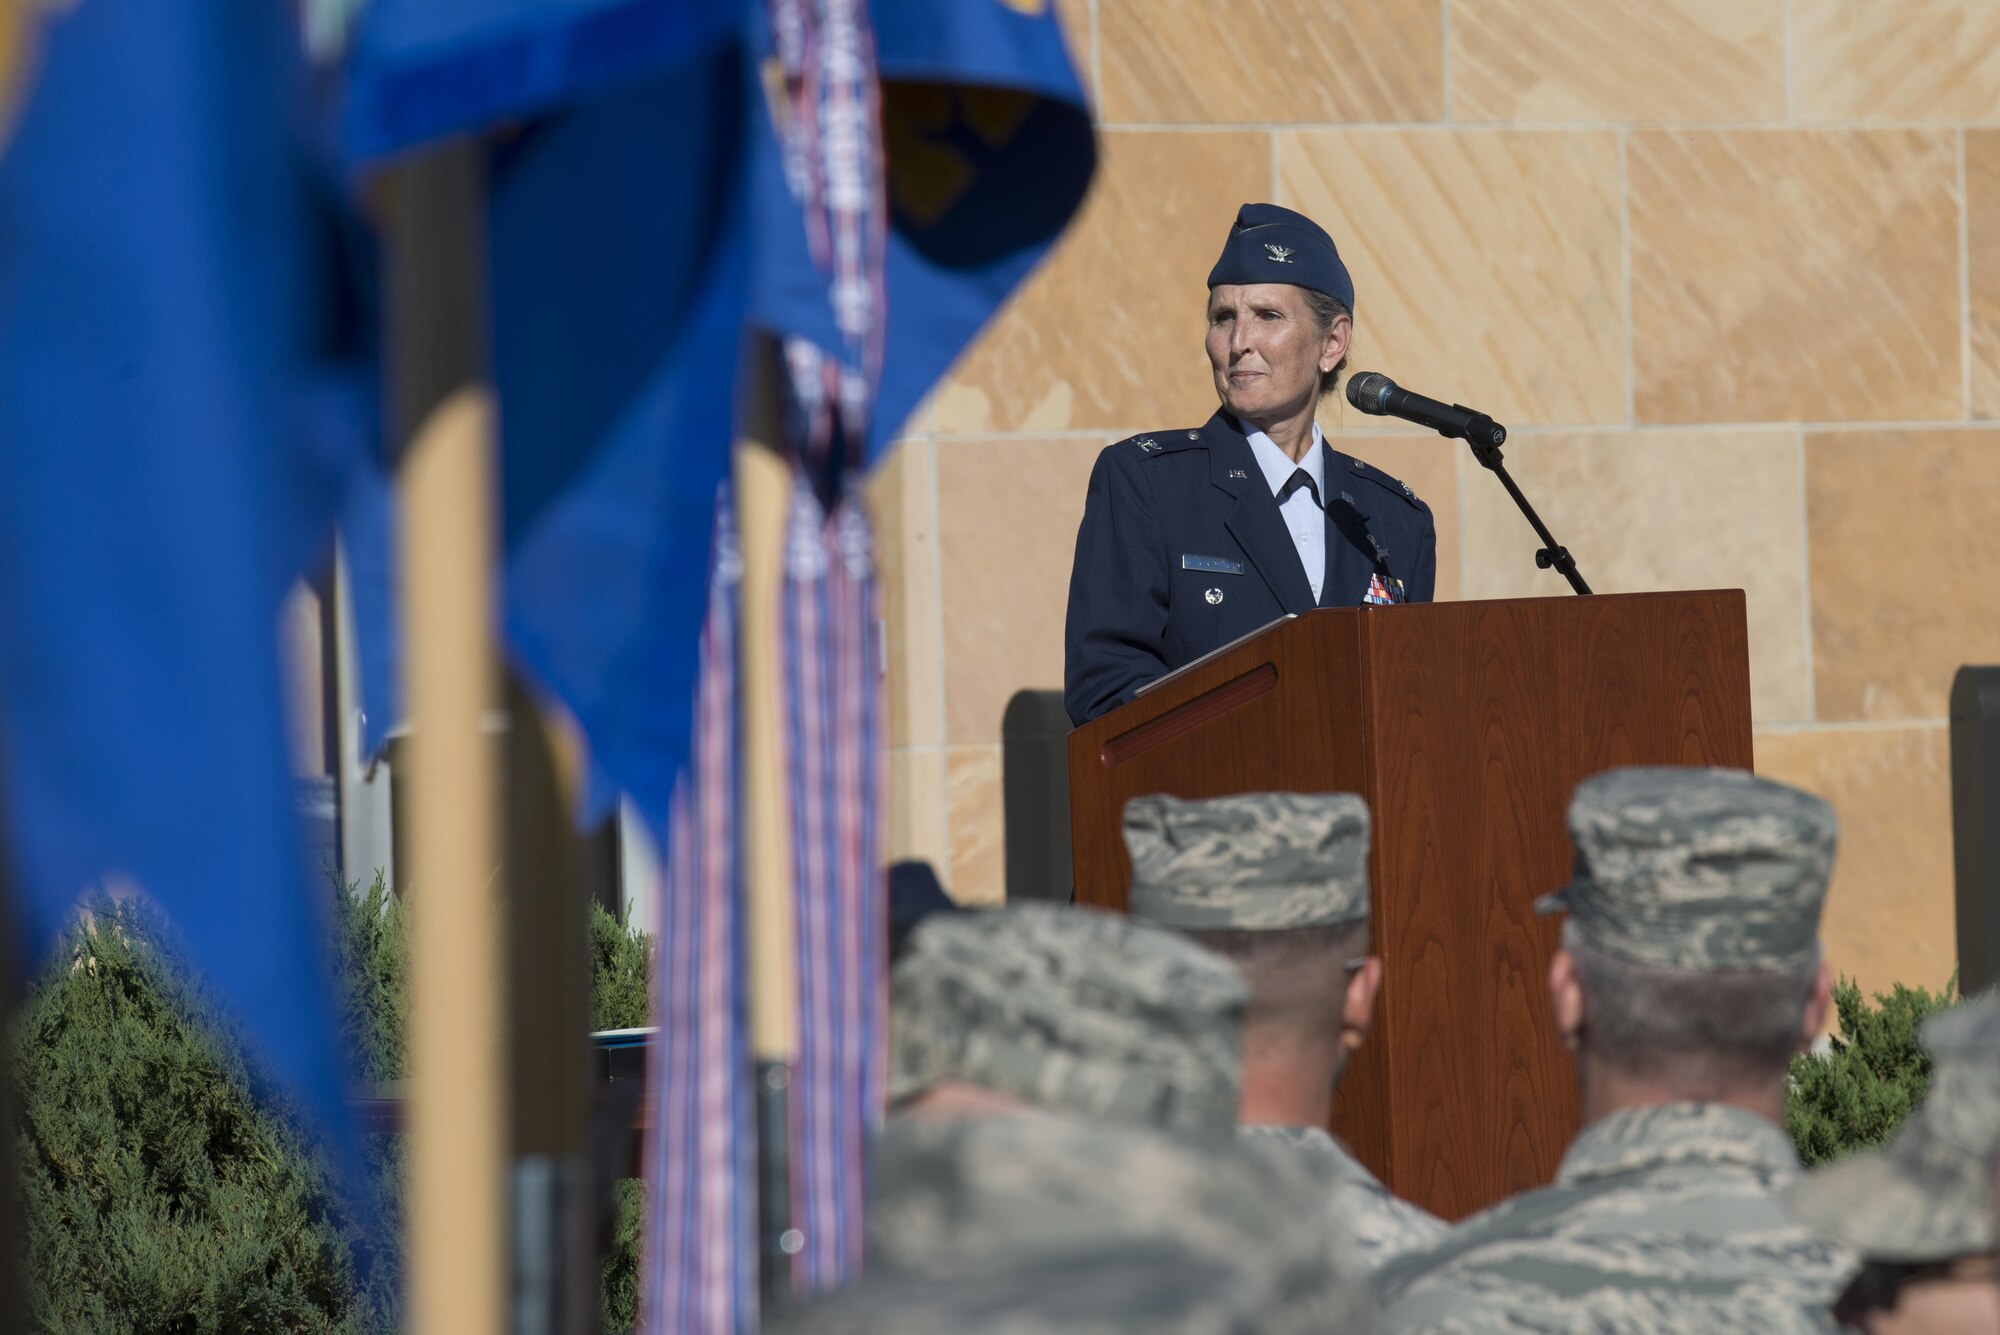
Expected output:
(1300, 478)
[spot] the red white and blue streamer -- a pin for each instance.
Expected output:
(832, 678)
(699, 1276)
(834, 164)
(834, 711)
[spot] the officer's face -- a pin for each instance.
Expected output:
(1267, 351)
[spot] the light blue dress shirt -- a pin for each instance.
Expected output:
(1305, 518)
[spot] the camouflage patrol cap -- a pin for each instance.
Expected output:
(1107, 1289)
(1928, 1195)
(1072, 1009)
(950, 1198)
(1705, 870)
(1252, 862)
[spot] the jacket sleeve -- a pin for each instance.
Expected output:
(1422, 584)
(1115, 640)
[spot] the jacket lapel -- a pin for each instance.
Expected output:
(1254, 521)
(1353, 552)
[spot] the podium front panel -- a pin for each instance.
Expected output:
(1279, 712)
(1466, 726)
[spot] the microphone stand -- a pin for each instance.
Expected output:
(1484, 435)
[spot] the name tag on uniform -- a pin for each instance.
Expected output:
(1214, 565)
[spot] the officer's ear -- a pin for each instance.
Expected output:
(1566, 998)
(1333, 347)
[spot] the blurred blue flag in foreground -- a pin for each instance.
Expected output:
(640, 219)
(990, 152)
(173, 440)
(620, 263)
(867, 182)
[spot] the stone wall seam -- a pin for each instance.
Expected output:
(1444, 61)
(1964, 285)
(1625, 260)
(1805, 582)
(941, 686)
(1790, 113)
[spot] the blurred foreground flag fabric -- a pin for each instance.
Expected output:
(986, 152)
(990, 152)
(620, 259)
(699, 1258)
(867, 181)
(919, 206)
(170, 331)
(647, 204)
(429, 68)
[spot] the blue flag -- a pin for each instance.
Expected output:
(987, 151)
(641, 220)
(173, 444)
(990, 153)
(424, 69)
(619, 266)
(868, 182)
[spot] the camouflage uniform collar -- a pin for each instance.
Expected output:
(1305, 1135)
(1668, 1134)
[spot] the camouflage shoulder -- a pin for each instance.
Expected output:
(1153, 444)
(1100, 1290)
(1367, 472)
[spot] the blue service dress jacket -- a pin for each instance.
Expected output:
(1182, 549)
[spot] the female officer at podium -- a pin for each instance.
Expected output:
(1196, 536)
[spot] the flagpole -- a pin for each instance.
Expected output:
(762, 488)
(442, 415)
(555, 1289)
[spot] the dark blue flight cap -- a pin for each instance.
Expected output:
(1269, 244)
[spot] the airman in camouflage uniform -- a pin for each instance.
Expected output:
(1030, 1191)
(1278, 883)
(1920, 1211)
(1109, 1290)
(1070, 1010)
(1689, 974)
(1104, 1053)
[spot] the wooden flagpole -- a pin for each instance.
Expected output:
(442, 411)
(763, 488)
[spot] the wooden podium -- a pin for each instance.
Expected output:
(1466, 726)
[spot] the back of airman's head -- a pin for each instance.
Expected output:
(1069, 1009)
(1697, 870)
(954, 1198)
(1693, 931)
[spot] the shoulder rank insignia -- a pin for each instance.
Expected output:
(1148, 444)
(1406, 490)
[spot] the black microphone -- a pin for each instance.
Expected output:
(1378, 395)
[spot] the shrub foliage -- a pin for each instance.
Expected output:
(1857, 1093)
(161, 1192)
(166, 1188)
